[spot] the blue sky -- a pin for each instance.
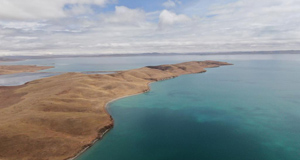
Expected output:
(188, 7)
(150, 6)
(36, 27)
(154, 5)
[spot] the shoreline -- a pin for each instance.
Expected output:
(70, 112)
(112, 125)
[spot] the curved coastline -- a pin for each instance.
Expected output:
(102, 134)
(74, 108)
(112, 125)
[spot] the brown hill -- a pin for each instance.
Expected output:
(6, 69)
(56, 117)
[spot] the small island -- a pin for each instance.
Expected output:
(13, 69)
(58, 117)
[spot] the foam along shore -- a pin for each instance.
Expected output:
(58, 117)
(12, 69)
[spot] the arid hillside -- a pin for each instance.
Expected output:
(55, 118)
(7, 69)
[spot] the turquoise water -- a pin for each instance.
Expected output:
(249, 111)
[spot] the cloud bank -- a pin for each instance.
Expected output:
(35, 27)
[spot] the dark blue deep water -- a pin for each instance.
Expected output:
(248, 111)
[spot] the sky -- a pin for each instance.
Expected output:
(57, 27)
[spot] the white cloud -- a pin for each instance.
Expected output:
(125, 15)
(268, 19)
(243, 25)
(23, 25)
(39, 9)
(79, 9)
(171, 3)
(167, 18)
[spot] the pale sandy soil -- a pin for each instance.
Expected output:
(55, 118)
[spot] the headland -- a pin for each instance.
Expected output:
(58, 117)
(13, 69)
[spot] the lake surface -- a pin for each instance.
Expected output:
(83, 64)
(249, 111)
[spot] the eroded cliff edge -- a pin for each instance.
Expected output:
(56, 117)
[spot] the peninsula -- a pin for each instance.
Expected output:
(57, 117)
(12, 69)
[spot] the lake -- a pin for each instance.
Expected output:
(248, 111)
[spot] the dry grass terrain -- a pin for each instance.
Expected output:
(55, 118)
(6, 69)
